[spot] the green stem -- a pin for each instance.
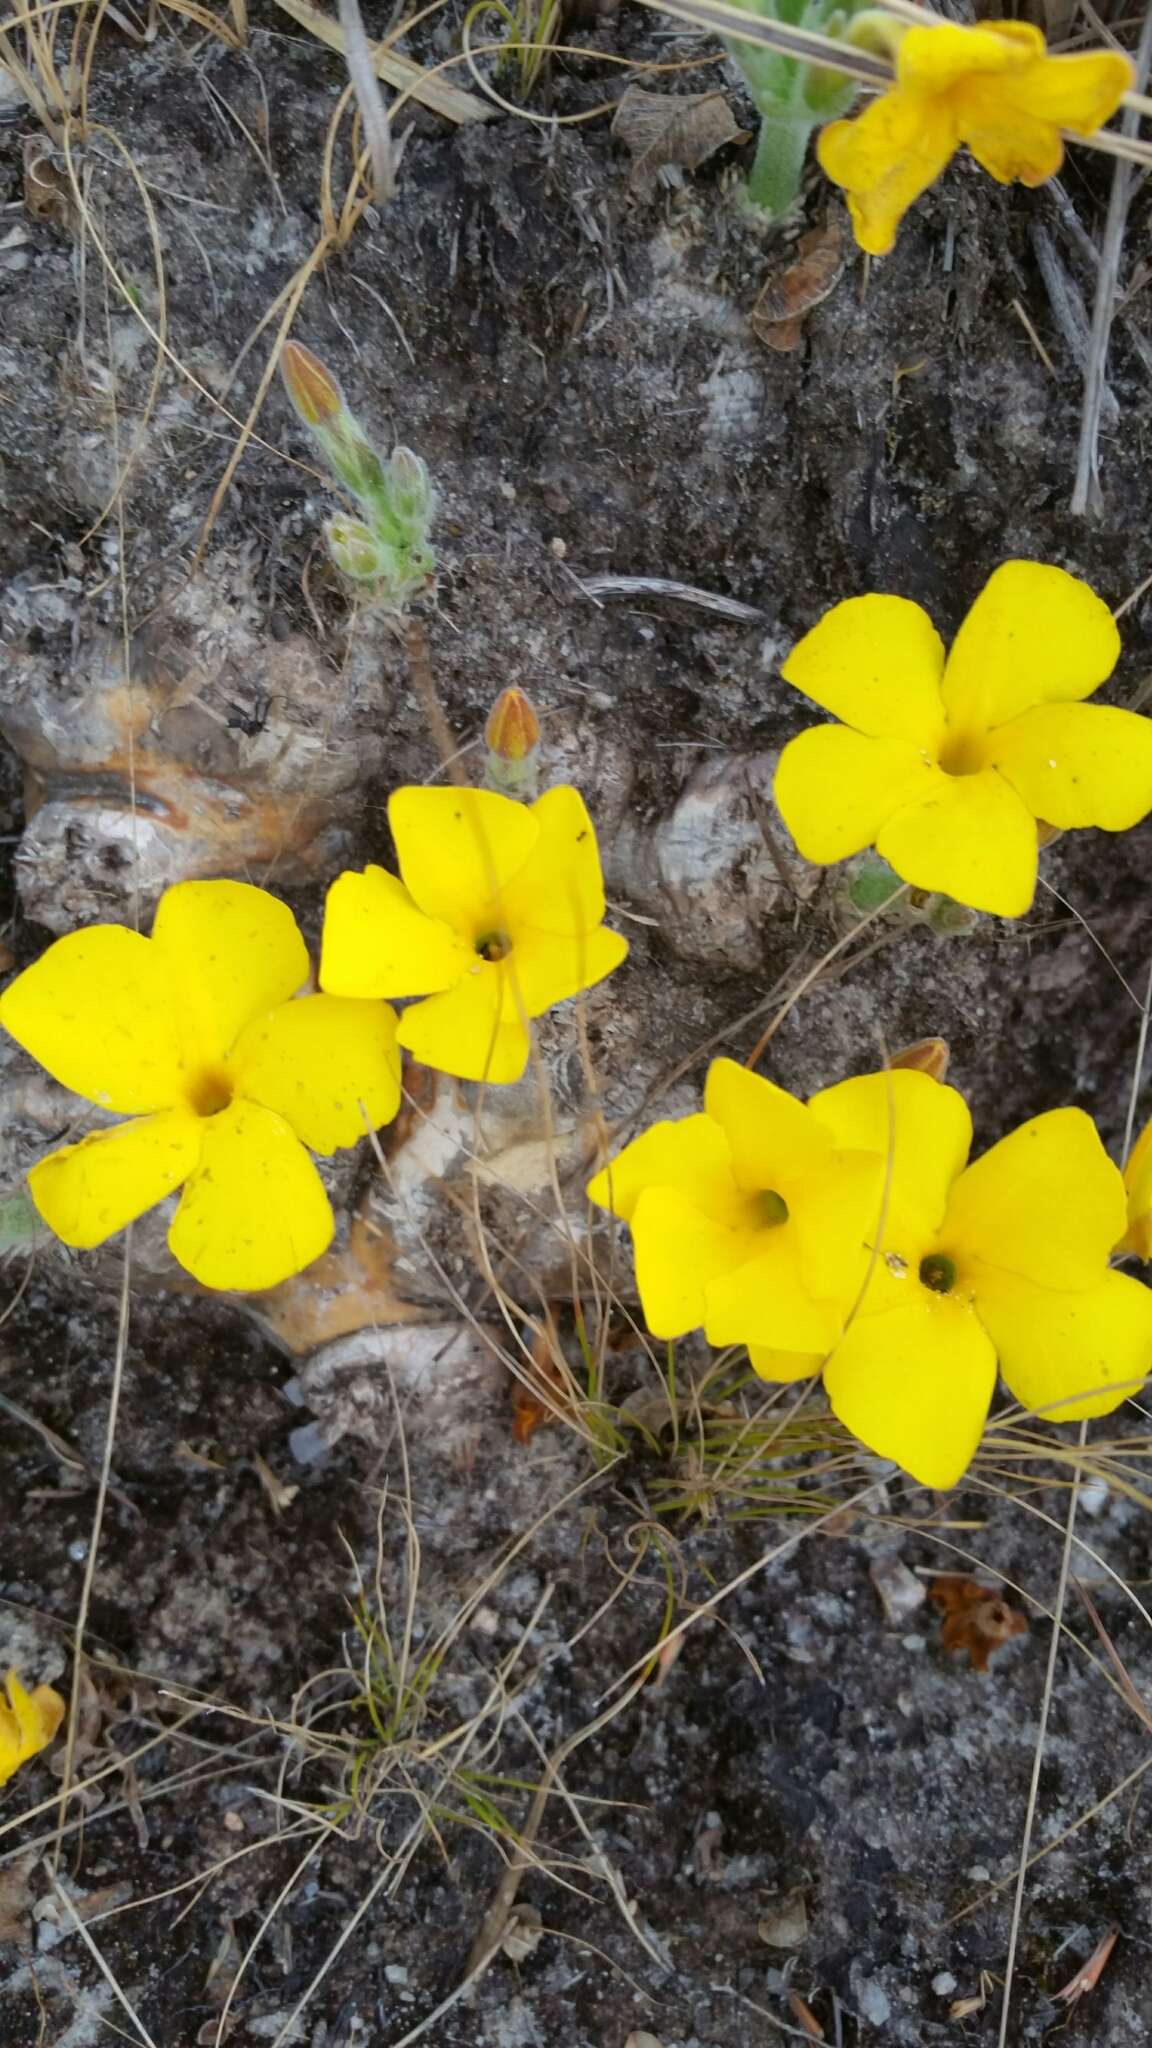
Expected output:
(775, 177)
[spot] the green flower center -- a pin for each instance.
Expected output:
(938, 1272)
(771, 1209)
(209, 1091)
(494, 945)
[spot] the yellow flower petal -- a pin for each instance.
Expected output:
(322, 1063)
(460, 1032)
(925, 1125)
(1068, 1355)
(546, 967)
(679, 1250)
(835, 788)
(1045, 1203)
(1078, 764)
(691, 1154)
(254, 1211)
(1080, 93)
(1035, 635)
(885, 159)
(764, 1300)
(1005, 137)
(915, 1385)
(874, 662)
(772, 1137)
(377, 943)
(87, 1192)
(934, 59)
(233, 952)
(1138, 1182)
(99, 1012)
(28, 1723)
(458, 848)
(856, 1247)
(561, 889)
(973, 838)
(784, 1365)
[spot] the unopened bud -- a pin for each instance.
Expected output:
(928, 1056)
(356, 551)
(410, 490)
(354, 459)
(512, 734)
(313, 390)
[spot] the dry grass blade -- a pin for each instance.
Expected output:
(369, 99)
(1133, 1697)
(119, 1994)
(1086, 491)
(451, 101)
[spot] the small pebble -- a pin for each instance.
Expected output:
(944, 1984)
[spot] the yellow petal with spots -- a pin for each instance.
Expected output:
(915, 1385)
(691, 1154)
(254, 1211)
(1078, 764)
(1067, 1356)
(87, 1192)
(835, 789)
(562, 888)
(772, 1138)
(921, 1125)
(328, 1065)
(874, 662)
(232, 951)
(1035, 635)
(679, 1251)
(972, 838)
(458, 848)
(461, 1031)
(99, 1011)
(1045, 1203)
(545, 967)
(764, 1300)
(376, 941)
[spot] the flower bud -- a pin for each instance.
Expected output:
(313, 390)
(927, 1056)
(512, 734)
(357, 552)
(409, 488)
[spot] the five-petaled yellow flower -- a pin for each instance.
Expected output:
(496, 916)
(947, 765)
(1003, 1261)
(28, 1723)
(727, 1215)
(994, 88)
(193, 1035)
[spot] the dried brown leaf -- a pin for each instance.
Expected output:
(671, 131)
(777, 319)
(976, 1618)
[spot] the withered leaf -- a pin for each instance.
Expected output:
(777, 319)
(976, 1618)
(671, 131)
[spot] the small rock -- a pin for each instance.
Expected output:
(786, 1924)
(900, 1591)
(944, 1984)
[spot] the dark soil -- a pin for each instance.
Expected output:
(577, 369)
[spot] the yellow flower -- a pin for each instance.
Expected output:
(726, 1211)
(191, 1033)
(1138, 1183)
(1001, 1262)
(994, 88)
(945, 766)
(495, 917)
(28, 1722)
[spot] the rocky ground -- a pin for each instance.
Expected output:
(788, 1820)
